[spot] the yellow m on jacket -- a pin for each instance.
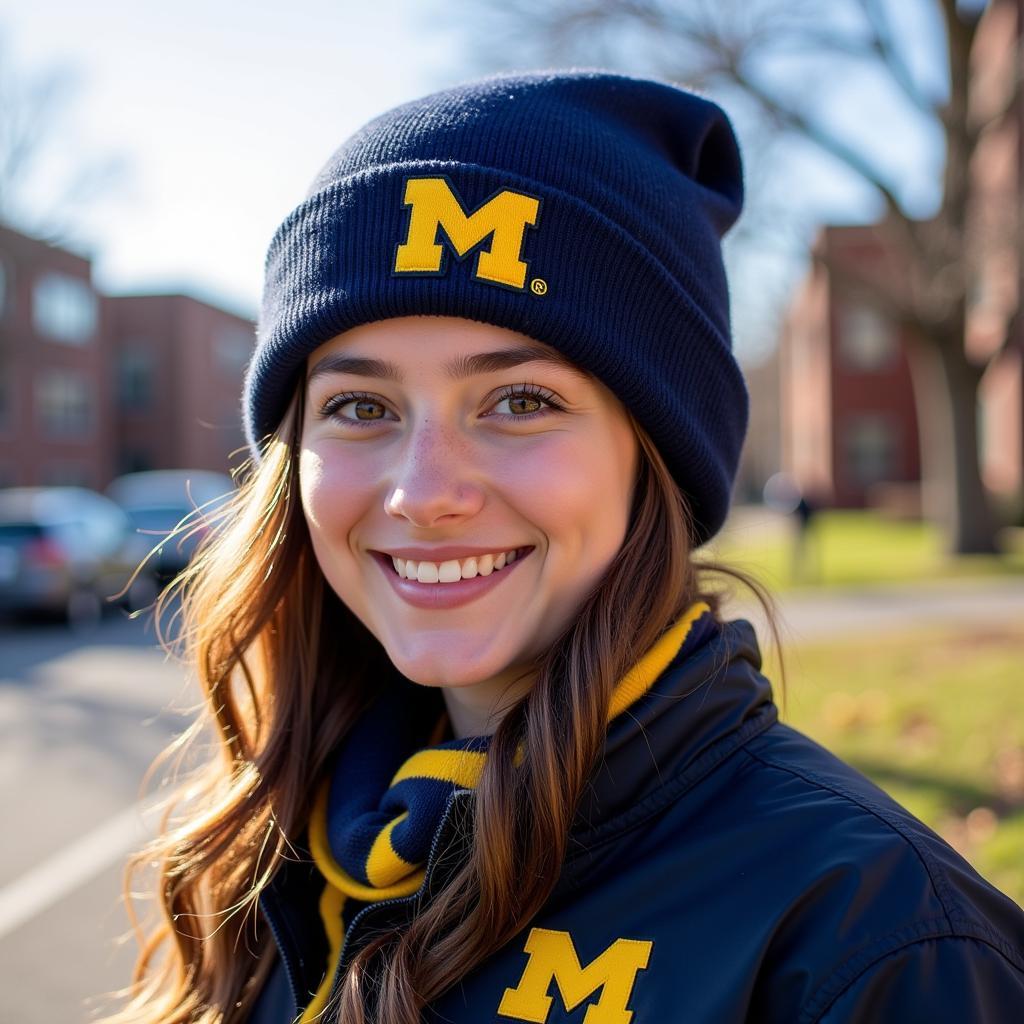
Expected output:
(553, 956)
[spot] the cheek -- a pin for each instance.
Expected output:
(576, 485)
(331, 497)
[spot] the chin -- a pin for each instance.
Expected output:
(455, 677)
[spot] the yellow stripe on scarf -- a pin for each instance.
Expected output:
(641, 677)
(463, 767)
(332, 902)
(408, 881)
(391, 875)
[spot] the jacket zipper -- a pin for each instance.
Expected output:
(349, 931)
(282, 949)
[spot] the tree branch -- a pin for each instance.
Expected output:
(797, 122)
(883, 44)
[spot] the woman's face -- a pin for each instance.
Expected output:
(429, 449)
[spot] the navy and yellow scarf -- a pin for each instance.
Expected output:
(372, 825)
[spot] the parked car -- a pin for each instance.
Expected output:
(65, 551)
(156, 501)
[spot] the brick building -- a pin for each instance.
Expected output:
(848, 410)
(54, 385)
(849, 420)
(177, 365)
(92, 386)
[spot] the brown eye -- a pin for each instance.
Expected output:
(524, 400)
(364, 404)
(518, 403)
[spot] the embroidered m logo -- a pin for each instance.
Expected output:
(553, 957)
(435, 208)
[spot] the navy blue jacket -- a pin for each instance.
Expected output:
(722, 867)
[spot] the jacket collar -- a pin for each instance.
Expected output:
(710, 700)
(704, 705)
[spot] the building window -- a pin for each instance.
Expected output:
(63, 405)
(64, 309)
(868, 341)
(871, 449)
(135, 379)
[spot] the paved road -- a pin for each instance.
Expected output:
(813, 615)
(81, 718)
(820, 615)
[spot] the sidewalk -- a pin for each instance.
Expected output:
(814, 615)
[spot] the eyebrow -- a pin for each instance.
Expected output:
(455, 369)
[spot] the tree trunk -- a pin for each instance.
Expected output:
(952, 492)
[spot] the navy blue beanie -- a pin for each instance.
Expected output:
(580, 208)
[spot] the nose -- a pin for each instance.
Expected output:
(435, 479)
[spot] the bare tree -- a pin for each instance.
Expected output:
(741, 48)
(36, 133)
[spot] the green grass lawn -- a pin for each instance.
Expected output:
(856, 547)
(934, 718)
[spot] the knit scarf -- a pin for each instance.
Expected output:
(376, 812)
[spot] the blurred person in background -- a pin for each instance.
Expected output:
(488, 747)
(783, 494)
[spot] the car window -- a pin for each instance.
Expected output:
(163, 518)
(106, 529)
(74, 537)
(16, 532)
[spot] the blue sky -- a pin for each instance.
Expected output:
(224, 111)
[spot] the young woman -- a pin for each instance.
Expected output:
(486, 750)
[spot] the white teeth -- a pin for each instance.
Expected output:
(427, 572)
(450, 571)
(453, 570)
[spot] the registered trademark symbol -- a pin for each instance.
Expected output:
(539, 286)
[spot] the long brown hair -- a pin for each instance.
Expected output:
(285, 670)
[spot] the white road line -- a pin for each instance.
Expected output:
(73, 866)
